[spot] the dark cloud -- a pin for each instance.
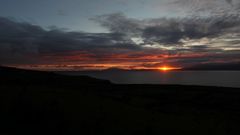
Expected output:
(207, 18)
(208, 7)
(172, 40)
(167, 32)
(229, 1)
(25, 43)
(171, 30)
(119, 23)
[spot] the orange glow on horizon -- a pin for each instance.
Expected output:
(168, 68)
(93, 67)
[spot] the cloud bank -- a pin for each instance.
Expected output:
(131, 43)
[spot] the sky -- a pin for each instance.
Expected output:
(126, 34)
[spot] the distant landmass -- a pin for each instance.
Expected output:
(215, 66)
(209, 66)
(36, 103)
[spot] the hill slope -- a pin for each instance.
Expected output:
(34, 102)
(13, 75)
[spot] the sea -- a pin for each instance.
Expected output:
(200, 78)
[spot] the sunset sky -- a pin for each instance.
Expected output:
(126, 34)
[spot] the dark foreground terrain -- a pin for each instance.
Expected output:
(38, 103)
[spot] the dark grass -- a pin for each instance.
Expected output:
(37, 103)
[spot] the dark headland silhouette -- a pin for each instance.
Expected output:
(37, 103)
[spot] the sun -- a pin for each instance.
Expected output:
(168, 68)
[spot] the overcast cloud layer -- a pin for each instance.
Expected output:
(209, 33)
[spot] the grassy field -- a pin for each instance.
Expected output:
(45, 103)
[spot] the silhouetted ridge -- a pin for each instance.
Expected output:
(14, 75)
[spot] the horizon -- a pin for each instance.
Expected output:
(164, 69)
(159, 77)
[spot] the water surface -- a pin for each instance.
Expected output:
(203, 78)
